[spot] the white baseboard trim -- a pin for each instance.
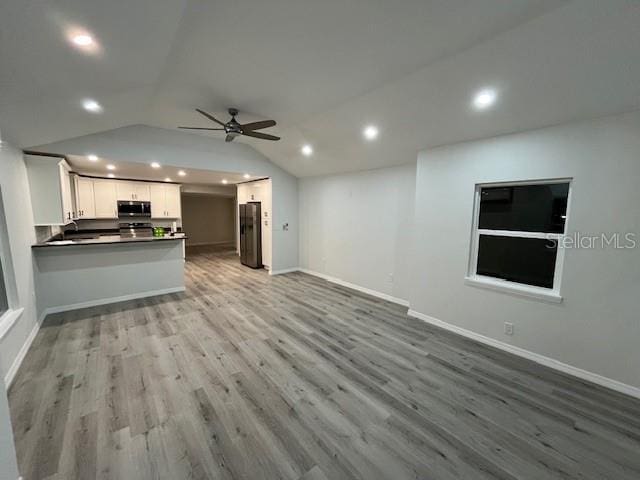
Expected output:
(284, 270)
(534, 357)
(105, 301)
(204, 244)
(368, 291)
(13, 369)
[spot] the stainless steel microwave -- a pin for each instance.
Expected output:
(127, 209)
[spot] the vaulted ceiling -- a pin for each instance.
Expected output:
(322, 69)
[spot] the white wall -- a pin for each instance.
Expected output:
(357, 227)
(139, 143)
(208, 219)
(8, 463)
(21, 235)
(596, 327)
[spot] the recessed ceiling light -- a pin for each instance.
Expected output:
(167, 179)
(225, 181)
(92, 157)
(82, 40)
(111, 175)
(484, 98)
(155, 165)
(111, 167)
(92, 106)
(182, 173)
(370, 132)
(307, 150)
(246, 175)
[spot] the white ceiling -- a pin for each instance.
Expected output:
(322, 69)
(140, 171)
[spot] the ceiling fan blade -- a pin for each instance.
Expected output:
(210, 117)
(262, 136)
(200, 128)
(258, 125)
(229, 138)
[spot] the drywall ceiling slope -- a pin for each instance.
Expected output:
(321, 69)
(143, 144)
(43, 79)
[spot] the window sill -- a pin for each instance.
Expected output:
(536, 293)
(8, 320)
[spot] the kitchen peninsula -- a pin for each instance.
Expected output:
(73, 274)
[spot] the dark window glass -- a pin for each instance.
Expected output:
(531, 261)
(526, 208)
(3, 294)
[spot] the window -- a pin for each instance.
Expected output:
(7, 289)
(516, 233)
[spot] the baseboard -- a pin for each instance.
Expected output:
(105, 301)
(368, 291)
(534, 357)
(13, 369)
(283, 271)
(204, 244)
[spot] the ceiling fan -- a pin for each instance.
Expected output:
(233, 128)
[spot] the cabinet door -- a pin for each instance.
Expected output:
(65, 191)
(85, 200)
(158, 200)
(105, 199)
(125, 190)
(141, 192)
(172, 201)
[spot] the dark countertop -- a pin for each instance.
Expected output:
(106, 240)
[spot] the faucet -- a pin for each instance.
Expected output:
(74, 224)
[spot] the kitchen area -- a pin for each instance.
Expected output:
(102, 239)
(112, 231)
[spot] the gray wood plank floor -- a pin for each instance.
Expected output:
(247, 376)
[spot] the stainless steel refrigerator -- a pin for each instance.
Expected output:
(250, 235)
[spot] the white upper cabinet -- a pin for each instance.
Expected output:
(165, 201)
(105, 198)
(50, 189)
(85, 198)
(157, 201)
(172, 201)
(59, 197)
(133, 191)
(141, 191)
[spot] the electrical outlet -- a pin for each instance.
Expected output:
(391, 278)
(508, 328)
